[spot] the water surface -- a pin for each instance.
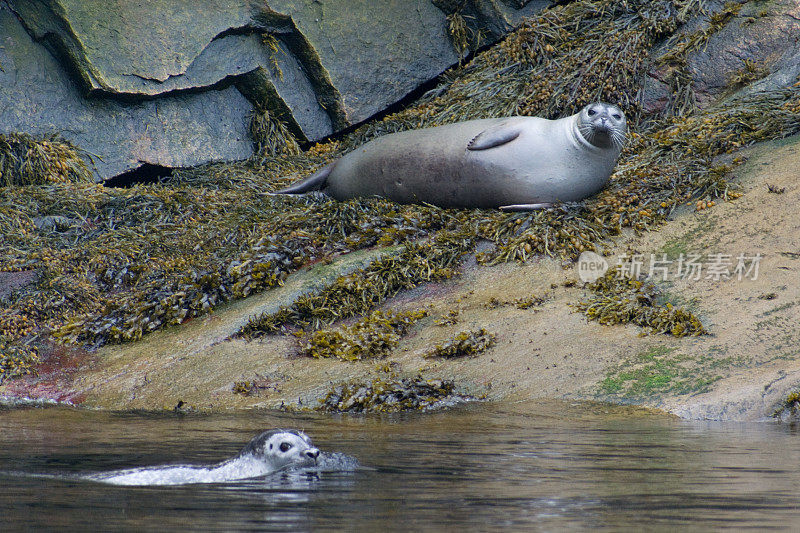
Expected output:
(533, 466)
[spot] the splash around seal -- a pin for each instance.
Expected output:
(514, 163)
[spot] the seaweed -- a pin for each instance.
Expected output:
(357, 293)
(620, 299)
(789, 408)
(29, 160)
(374, 336)
(387, 395)
(16, 359)
(463, 344)
(270, 135)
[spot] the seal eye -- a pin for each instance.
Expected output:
(591, 112)
(617, 116)
(285, 446)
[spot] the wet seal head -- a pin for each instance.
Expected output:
(282, 447)
(603, 125)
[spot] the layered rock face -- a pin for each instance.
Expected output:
(740, 45)
(172, 82)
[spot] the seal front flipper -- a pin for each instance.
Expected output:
(315, 182)
(523, 207)
(494, 136)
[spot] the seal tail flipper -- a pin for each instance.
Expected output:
(523, 207)
(314, 182)
(494, 136)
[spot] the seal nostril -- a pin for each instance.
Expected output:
(313, 453)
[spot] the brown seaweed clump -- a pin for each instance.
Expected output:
(270, 135)
(356, 293)
(789, 409)
(16, 359)
(374, 336)
(620, 299)
(464, 344)
(388, 395)
(29, 160)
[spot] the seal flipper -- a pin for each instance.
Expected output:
(315, 182)
(523, 207)
(494, 136)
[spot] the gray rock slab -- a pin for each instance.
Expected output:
(766, 34)
(279, 82)
(40, 97)
(372, 53)
(121, 46)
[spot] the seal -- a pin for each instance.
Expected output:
(514, 163)
(269, 452)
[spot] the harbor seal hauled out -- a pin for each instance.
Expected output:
(514, 163)
(269, 452)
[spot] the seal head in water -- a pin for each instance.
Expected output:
(514, 163)
(279, 448)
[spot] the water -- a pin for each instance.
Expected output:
(528, 466)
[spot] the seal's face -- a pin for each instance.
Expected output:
(603, 125)
(283, 447)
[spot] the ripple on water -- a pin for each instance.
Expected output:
(549, 466)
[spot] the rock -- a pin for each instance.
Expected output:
(171, 83)
(40, 97)
(491, 17)
(762, 34)
(11, 282)
(759, 40)
(136, 48)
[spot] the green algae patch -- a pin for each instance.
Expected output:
(620, 299)
(29, 160)
(374, 336)
(466, 343)
(660, 371)
(389, 395)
